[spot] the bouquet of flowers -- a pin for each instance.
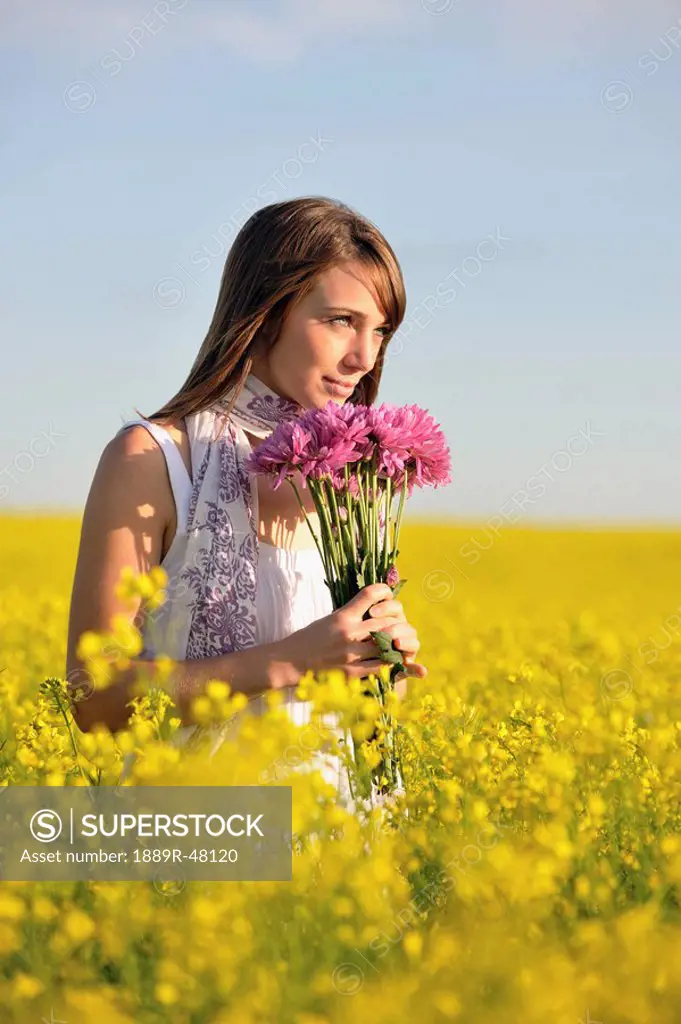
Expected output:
(357, 461)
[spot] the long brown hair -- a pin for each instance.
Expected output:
(275, 260)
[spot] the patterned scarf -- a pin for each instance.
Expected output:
(216, 609)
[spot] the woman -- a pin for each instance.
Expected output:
(310, 295)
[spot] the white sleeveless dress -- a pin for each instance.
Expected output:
(291, 593)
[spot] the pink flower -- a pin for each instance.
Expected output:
(320, 442)
(281, 454)
(409, 439)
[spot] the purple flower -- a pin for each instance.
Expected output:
(393, 576)
(281, 454)
(409, 439)
(322, 442)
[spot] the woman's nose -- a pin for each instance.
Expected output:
(363, 350)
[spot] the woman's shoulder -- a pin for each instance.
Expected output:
(130, 487)
(133, 457)
(138, 439)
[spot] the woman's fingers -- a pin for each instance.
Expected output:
(359, 669)
(363, 650)
(368, 626)
(362, 661)
(404, 637)
(414, 669)
(391, 607)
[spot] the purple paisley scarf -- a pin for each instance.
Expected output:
(221, 564)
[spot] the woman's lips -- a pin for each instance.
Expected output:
(338, 389)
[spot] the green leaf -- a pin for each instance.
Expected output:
(382, 640)
(389, 654)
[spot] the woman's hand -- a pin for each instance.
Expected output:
(342, 640)
(402, 634)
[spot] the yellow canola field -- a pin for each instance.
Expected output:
(531, 872)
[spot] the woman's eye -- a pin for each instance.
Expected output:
(345, 319)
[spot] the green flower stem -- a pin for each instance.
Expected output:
(326, 525)
(333, 503)
(374, 521)
(343, 551)
(331, 490)
(349, 543)
(400, 511)
(65, 715)
(328, 554)
(386, 537)
(386, 764)
(390, 763)
(361, 479)
(307, 520)
(371, 523)
(349, 503)
(371, 526)
(347, 771)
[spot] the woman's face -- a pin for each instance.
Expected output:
(336, 331)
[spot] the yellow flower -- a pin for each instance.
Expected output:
(44, 909)
(343, 907)
(447, 1004)
(25, 986)
(217, 690)
(10, 939)
(596, 805)
(12, 908)
(89, 645)
(413, 944)
(78, 926)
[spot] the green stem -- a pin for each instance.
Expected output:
(386, 534)
(362, 518)
(364, 505)
(331, 541)
(343, 550)
(399, 514)
(349, 500)
(65, 716)
(370, 526)
(307, 520)
(374, 521)
(347, 766)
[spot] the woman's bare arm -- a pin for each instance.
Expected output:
(252, 671)
(128, 512)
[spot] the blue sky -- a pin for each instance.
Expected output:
(134, 134)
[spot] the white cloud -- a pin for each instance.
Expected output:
(280, 38)
(574, 26)
(278, 33)
(253, 29)
(43, 23)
